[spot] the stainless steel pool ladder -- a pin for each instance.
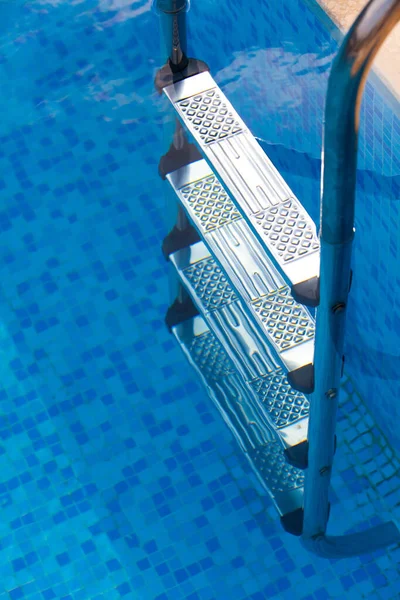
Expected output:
(250, 268)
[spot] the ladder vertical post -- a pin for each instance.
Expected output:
(339, 159)
(173, 25)
(178, 66)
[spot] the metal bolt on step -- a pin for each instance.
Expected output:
(324, 471)
(338, 308)
(331, 394)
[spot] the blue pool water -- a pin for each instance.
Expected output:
(118, 478)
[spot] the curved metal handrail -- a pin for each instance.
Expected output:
(339, 159)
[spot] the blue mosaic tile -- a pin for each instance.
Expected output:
(118, 477)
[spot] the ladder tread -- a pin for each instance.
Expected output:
(256, 189)
(283, 482)
(281, 408)
(231, 263)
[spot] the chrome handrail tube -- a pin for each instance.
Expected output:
(339, 159)
(173, 24)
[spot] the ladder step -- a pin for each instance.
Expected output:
(241, 258)
(263, 448)
(256, 187)
(246, 344)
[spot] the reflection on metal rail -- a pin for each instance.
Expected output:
(174, 36)
(174, 31)
(345, 88)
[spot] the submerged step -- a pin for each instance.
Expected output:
(258, 191)
(258, 284)
(284, 483)
(251, 352)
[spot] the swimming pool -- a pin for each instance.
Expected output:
(119, 479)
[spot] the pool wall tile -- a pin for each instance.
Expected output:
(118, 478)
